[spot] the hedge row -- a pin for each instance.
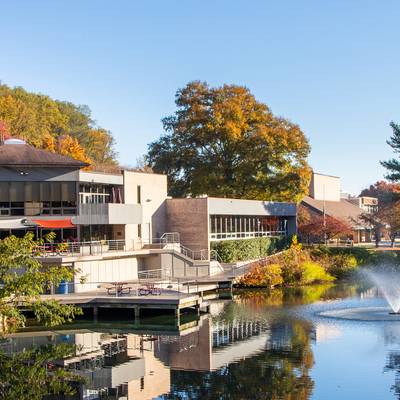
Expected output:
(248, 249)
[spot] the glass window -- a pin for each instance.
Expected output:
(45, 195)
(4, 191)
(55, 188)
(17, 191)
(68, 191)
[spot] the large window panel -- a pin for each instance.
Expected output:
(45, 192)
(55, 188)
(68, 192)
(17, 191)
(4, 192)
(32, 191)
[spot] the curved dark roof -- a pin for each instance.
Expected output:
(24, 155)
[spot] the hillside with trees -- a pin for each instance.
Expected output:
(54, 125)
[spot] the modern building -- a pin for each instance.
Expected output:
(325, 198)
(42, 191)
(201, 221)
(129, 213)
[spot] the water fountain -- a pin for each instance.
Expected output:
(387, 283)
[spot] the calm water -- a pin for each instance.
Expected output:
(258, 346)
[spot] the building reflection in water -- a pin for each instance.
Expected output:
(146, 366)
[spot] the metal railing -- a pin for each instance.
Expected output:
(82, 248)
(169, 242)
(215, 256)
(177, 286)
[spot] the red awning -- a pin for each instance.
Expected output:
(54, 223)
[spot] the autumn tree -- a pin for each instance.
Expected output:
(386, 217)
(313, 226)
(391, 217)
(385, 192)
(69, 146)
(42, 122)
(223, 142)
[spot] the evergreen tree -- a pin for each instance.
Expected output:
(393, 165)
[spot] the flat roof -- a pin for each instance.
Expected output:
(330, 176)
(99, 177)
(231, 206)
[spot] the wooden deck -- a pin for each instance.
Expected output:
(175, 301)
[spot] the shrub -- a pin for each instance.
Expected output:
(342, 265)
(248, 249)
(291, 261)
(262, 275)
(312, 272)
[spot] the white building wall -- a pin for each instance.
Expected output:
(99, 272)
(325, 187)
(153, 188)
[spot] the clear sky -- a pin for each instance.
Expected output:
(333, 67)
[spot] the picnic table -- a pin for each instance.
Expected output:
(149, 288)
(118, 288)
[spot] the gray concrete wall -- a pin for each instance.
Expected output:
(99, 177)
(38, 174)
(189, 217)
(220, 206)
(172, 266)
(109, 213)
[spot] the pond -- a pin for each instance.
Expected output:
(259, 345)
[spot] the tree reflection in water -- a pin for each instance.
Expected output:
(393, 364)
(32, 375)
(281, 371)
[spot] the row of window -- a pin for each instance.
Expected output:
(37, 208)
(11, 192)
(242, 226)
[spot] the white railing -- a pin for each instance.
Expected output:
(97, 247)
(169, 242)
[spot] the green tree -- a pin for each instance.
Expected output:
(223, 142)
(31, 374)
(393, 165)
(24, 279)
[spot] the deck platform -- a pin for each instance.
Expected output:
(175, 301)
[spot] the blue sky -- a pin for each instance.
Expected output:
(330, 66)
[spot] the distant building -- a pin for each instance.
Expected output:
(368, 204)
(325, 197)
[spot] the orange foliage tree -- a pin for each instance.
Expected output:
(314, 227)
(69, 146)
